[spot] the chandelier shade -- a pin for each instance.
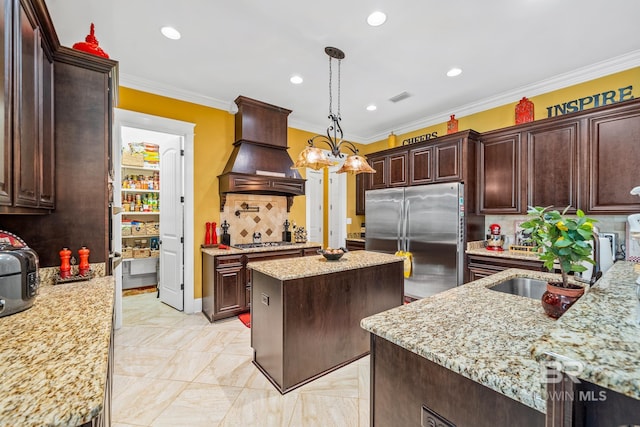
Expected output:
(355, 164)
(312, 156)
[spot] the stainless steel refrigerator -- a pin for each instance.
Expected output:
(429, 222)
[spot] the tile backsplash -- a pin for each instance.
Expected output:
(268, 220)
(606, 224)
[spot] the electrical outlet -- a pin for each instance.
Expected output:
(430, 418)
(265, 299)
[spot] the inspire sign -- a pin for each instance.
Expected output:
(591, 101)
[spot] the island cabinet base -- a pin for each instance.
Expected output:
(306, 327)
(409, 390)
(579, 403)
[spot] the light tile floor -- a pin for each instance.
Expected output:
(174, 369)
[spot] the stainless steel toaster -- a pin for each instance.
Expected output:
(19, 279)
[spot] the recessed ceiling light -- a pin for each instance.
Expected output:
(376, 19)
(454, 72)
(296, 79)
(371, 107)
(170, 33)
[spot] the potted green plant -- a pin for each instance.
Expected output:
(564, 241)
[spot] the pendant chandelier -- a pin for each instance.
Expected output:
(315, 158)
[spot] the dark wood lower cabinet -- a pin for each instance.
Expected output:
(409, 390)
(354, 245)
(226, 283)
(482, 266)
(583, 404)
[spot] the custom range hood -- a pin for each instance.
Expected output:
(259, 162)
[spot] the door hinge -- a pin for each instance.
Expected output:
(181, 239)
(182, 152)
(182, 286)
(181, 199)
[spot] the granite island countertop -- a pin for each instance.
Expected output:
(296, 268)
(478, 333)
(55, 355)
(601, 333)
(233, 251)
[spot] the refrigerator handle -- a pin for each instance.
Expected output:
(399, 235)
(405, 225)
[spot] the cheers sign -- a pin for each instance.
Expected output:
(420, 138)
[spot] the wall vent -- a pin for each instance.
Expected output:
(399, 97)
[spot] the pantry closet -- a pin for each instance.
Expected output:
(148, 229)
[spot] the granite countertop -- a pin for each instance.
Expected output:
(481, 334)
(356, 239)
(233, 251)
(55, 354)
(296, 268)
(600, 333)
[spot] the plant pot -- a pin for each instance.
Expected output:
(557, 299)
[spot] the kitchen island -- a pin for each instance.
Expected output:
(465, 355)
(57, 355)
(306, 312)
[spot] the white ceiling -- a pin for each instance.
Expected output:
(506, 48)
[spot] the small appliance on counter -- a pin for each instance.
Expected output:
(19, 278)
(225, 239)
(495, 240)
(286, 234)
(257, 237)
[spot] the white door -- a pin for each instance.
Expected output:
(178, 180)
(171, 278)
(315, 194)
(337, 207)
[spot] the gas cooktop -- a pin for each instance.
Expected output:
(260, 245)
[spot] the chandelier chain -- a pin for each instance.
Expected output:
(330, 91)
(339, 61)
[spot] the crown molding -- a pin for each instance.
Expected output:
(145, 85)
(581, 75)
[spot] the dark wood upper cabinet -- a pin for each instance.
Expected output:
(448, 161)
(6, 148)
(613, 158)
(47, 159)
(552, 166)
(27, 177)
(379, 179)
(398, 169)
(362, 184)
(499, 169)
(391, 170)
(59, 135)
(420, 165)
(584, 160)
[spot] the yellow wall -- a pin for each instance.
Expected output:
(214, 135)
(504, 116)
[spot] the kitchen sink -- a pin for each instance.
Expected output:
(523, 286)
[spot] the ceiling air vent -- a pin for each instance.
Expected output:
(399, 97)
